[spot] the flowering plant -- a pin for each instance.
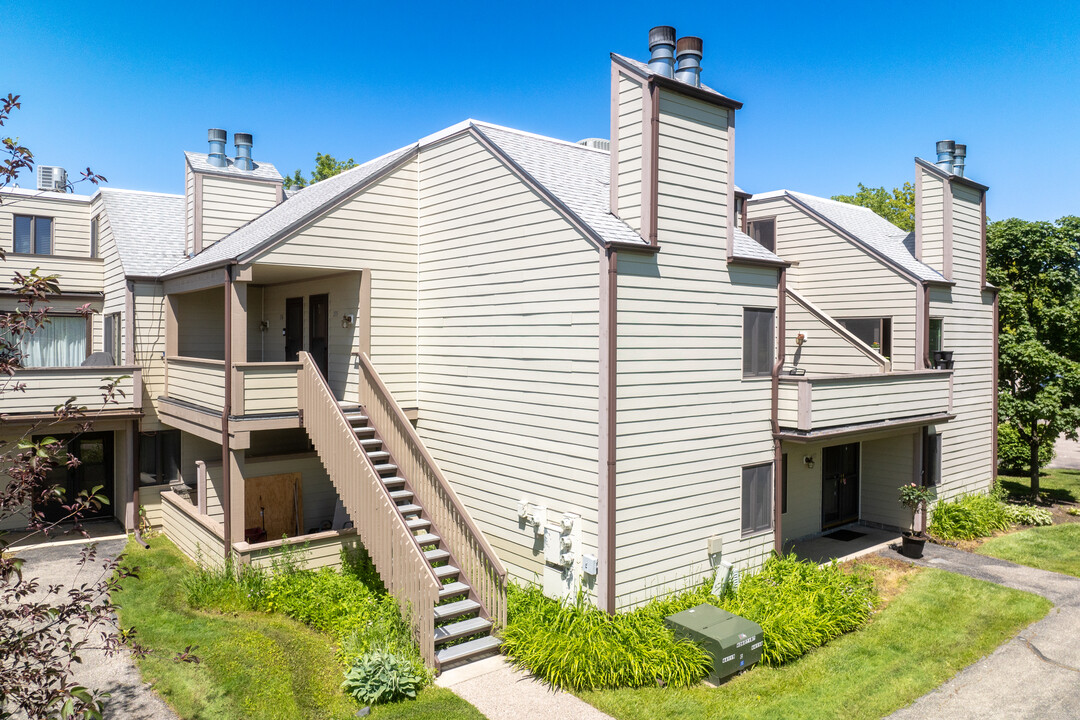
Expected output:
(914, 497)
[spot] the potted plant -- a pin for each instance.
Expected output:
(914, 498)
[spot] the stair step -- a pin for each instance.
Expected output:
(461, 607)
(355, 416)
(378, 455)
(467, 650)
(452, 589)
(386, 467)
(418, 524)
(461, 628)
(436, 555)
(428, 539)
(410, 509)
(394, 480)
(365, 430)
(370, 442)
(445, 571)
(397, 495)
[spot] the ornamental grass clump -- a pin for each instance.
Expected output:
(970, 516)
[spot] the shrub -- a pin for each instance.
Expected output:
(1028, 515)
(574, 645)
(382, 677)
(231, 588)
(1013, 453)
(969, 516)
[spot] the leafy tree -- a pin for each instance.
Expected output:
(325, 166)
(1036, 265)
(898, 207)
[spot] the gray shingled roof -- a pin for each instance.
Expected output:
(577, 176)
(749, 248)
(874, 231)
(262, 170)
(148, 229)
(298, 209)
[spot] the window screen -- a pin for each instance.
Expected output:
(159, 457)
(756, 498)
(32, 235)
(937, 331)
(757, 342)
(931, 459)
(112, 337)
(94, 238)
(764, 231)
(23, 233)
(875, 332)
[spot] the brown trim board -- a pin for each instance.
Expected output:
(606, 495)
(778, 449)
(613, 156)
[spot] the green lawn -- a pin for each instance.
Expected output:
(253, 666)
(1057, 484)
(938, 624)
(1055, 548)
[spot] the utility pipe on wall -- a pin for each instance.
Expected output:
(778, 450)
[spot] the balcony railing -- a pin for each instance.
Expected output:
(196, 381)
(45, 388)
(818, 402)
(258, 388)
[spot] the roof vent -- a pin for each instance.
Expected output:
(243, 151)
(50, 177)
(662, 47)
(945, 151)
(688, 53)
(217, 138)
(596, 143)
(959, 155)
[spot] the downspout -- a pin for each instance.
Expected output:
(925, 310)
(607, 435)
(226, 410)
(778, 450)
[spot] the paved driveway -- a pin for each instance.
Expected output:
(131, 698)
(1068, 454)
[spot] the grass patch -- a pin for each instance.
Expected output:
(254, 664)
(936, 625)
(1056, 484)
(1047, 548)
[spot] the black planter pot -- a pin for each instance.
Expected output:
(912, 545)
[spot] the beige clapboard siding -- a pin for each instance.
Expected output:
(841, 278)
(150, 502)
(228, 203)
(115, 284)
(75, 274)
(319, 550)
(849, 400)
(826, 350)
(197, 537)
(687, 422)
(967, 462)
(71, 222)
(197, 381)
(269, 388)
(932, 218)
(149, 303)
(803, 516)
(629, 148)
(200, 324)
(887, 463)
(189, 209)
(45, 388)
(344, 293)
(508, 316)
(376, 231)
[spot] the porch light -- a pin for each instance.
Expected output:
(346, 320)
(808, 461)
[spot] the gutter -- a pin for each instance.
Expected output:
(778, 451)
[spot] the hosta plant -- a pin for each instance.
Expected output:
(381, 677)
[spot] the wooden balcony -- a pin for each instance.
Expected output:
(809, 404)
(43, 389)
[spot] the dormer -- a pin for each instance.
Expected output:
(950, 212)
(223, 193)
(672, 144)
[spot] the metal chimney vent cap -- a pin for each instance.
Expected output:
(688, 54)
(689, 45)
(662, 50)
(242, 139)
(217, 135)
(960, 151)
(661, 35)
(946, 146)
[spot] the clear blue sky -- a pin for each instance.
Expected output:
(832, 96)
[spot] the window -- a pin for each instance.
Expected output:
(33, 235)
(94, 238)
(783, 483)
(931, 458)
(756, 498)
(937, 329)
(159, 457)
(764, 231)
(59, 342)
(757, 342)
(112, 337)
(875, 332)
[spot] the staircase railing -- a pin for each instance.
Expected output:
(382, 529)
(460, 535)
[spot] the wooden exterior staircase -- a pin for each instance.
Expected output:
(450, 585)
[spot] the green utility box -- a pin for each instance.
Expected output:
(733, 643)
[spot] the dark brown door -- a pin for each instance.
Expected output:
(319, 329)
(95, 454)
(294, 328)
(839, 485)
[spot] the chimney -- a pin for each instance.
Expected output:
(688, 53)
(945, 150)
(217, 138)
(243, 151)
(662, 47)
(958, 159)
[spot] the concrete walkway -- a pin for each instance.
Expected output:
(502, 693)
(1067, 454)
(56, 562)
(1034, 675)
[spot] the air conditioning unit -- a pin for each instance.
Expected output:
(51, 177)
(596, 143)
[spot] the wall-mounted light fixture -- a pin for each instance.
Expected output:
(808, 461)
(346, 320)
(264, 325)
(801, 338)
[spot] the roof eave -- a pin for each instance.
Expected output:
(758, 262)
(666, 83)
(930, 167)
